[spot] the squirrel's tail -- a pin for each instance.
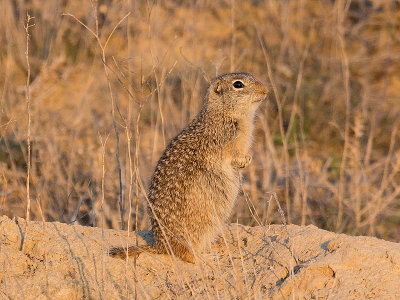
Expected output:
(121, 252)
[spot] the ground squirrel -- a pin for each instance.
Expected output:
(196, 181)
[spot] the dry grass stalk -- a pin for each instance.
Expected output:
(28, 104)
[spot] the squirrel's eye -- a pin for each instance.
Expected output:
(238, 85)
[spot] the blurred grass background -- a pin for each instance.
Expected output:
(326, 141)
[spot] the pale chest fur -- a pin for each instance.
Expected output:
(244, 136)
(240, 142)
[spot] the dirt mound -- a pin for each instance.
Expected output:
(59, 261)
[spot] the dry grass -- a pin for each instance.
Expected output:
(326, 143)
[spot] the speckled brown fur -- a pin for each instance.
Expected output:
(196, 181)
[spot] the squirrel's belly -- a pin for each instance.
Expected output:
(231, 182)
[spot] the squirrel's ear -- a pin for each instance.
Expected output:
(218, 88)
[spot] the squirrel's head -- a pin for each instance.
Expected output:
(237, 94)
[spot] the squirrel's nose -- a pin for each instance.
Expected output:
(263, 89)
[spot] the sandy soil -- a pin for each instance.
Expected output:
(59, 261)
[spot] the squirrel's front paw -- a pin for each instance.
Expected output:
(241, 162)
